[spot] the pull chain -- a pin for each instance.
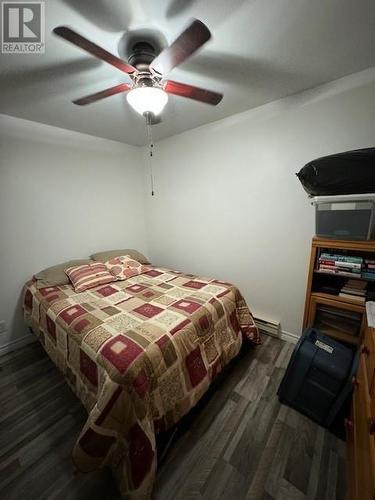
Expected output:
(151, 147)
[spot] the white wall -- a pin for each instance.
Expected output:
(227, 202)
(63, 195)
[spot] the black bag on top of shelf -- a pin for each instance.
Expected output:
(352, 172)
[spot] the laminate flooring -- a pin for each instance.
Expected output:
(238, 443)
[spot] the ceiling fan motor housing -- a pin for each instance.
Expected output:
(141, 46)
(143, 53)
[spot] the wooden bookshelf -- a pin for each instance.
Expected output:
(316, 298)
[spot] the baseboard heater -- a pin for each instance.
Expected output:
(268, 326)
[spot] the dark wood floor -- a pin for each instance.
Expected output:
(240, 443)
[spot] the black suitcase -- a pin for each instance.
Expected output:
(352, 172)
(318, 380)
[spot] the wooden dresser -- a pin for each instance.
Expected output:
(360, 428)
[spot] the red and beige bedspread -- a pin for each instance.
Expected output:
(139, 354)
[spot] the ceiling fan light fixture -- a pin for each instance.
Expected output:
(147, 99)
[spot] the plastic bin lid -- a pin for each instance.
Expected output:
(316, 200)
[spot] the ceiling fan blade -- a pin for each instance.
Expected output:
(190, 40)
(82, 42)
(117, 89)
(191, 92)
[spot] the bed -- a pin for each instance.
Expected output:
(139, 353)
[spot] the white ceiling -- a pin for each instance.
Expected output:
(261, 50)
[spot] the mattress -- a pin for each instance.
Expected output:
(139, 354)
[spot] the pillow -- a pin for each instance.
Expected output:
(110, 254)
(89, 276)
(55, 275)
(125, 266)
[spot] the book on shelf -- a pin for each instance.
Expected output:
(345, 265)
(350, 265)
(353, 291)
(340, 272)
(339, 263)
(358, 284)
(356, 287)
(368, 269)
(341, 258)
(353, 270)
(368, 276)
(357, 298)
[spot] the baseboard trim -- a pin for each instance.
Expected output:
(290, 337)
(287, 336)
(17, 344)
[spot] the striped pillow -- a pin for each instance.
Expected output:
(88, 276)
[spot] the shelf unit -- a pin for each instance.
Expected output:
(316, 298)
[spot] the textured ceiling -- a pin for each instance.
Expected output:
(261, 50)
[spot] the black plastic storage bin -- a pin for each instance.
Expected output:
(318, 379)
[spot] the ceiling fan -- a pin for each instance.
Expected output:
(147, 91)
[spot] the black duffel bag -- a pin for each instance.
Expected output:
(352, 172)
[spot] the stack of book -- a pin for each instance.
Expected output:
(354, 290)
(368, 270)
(344, 265)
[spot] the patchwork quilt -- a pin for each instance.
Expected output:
(139, 353)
